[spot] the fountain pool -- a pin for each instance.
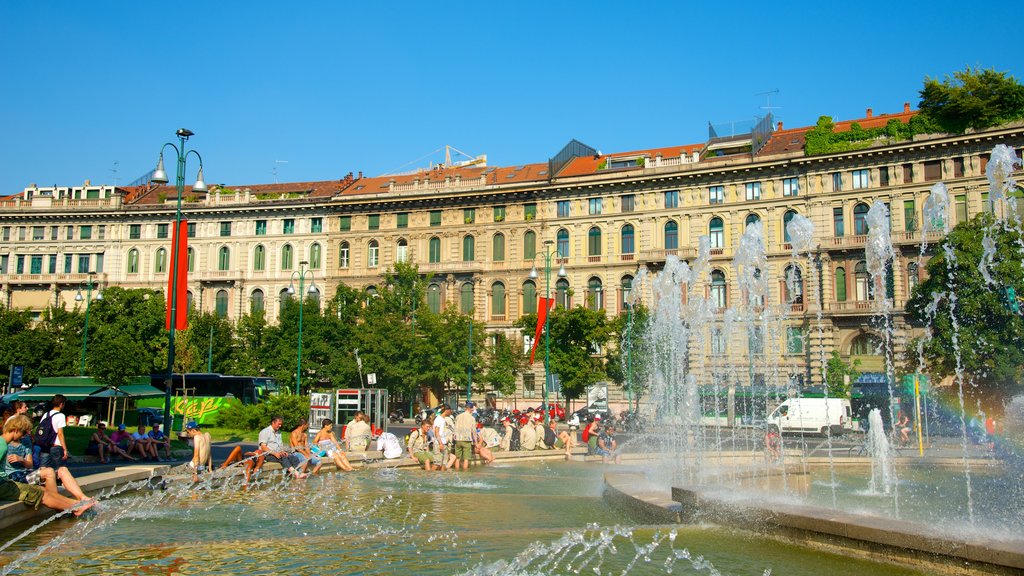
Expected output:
(527, 518)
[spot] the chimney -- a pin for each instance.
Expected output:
(778, 126)
(360, 174)
(869, 113)
(906, 107)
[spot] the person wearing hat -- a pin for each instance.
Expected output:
(418, 444)
(465, 436)
(506, 438)
(201, 459)
(101, 445)
(528, 435)
(122, 438)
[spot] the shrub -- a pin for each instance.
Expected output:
(257, 416)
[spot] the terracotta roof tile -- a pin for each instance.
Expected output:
(792, 139)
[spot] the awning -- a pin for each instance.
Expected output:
(47, 392)
(128, 391)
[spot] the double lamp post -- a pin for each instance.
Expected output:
(548, 253)
(301, 275)
(87, 286)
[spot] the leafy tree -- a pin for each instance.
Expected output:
(250, 339)
(972, 98)
(193, 353)
(130, 338)
(63, 330)
(577, 335)
(21, 345)
(836, 373)
(628, 364)
(446, 356)
(505, 363)
(989, 335)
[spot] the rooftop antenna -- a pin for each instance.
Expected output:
(276, 162)
(114, 170)
(768, 97)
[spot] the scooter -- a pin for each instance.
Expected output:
(423, 414)
(397, 416)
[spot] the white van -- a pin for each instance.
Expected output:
(813, 415)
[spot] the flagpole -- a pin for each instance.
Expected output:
(548, 254)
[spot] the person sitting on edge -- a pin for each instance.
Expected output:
(122, 439)
(559, 440)
(903, 427)
(14, 430)
(357, 433)
(145, 444)
(326, 443)
(56, 456)
(528, 436)
(465, 436)
(418, 445)
(590, 433)
(508, 432)
(101, 445)
(540, 430)
(201, 459)
(607, 446)
(160, 439)
(480, 445)
(299, 441)
(488, 436)
(272, 449)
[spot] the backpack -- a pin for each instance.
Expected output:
(44, 435)
(514, 442)
(586, 433)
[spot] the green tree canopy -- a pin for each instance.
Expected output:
(972, 98)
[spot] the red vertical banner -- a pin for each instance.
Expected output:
(545, 304)
(179, 262)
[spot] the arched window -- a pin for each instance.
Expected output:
(786, 219)
(913, 277)
(862, 281)
(190, 299)
(718, 289)
(222, 303)
(497, 299)
(594, 242)
(860, 219)
(716, 230)
(529, 297)
(671, 235)
(434, 298)
(529, 245)
(256, 303)
(498, 248)
(191, 260)
(160, 265)
(562, 293)
(627, 289)
(224, 259)
(286, 257)
(402, 251)
(133, 261)
(434, 250)
(344, 253)
(627, 244)
(373, 254)
(259, 258)
(840, 284)
(793, 284)
(468, 248)
(865, 345)
(466, 298)
(562, 243)
(314, 256)
(282, 299)
(595, 294)
(313, 297)
(751, 219)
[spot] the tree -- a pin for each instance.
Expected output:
(988, 333)
(505, 362)
(63, 330)
(446, 355)
(21, 345)
(972, 98)
(840, 376)
(628, 364)
(130, 337)
(578, 336)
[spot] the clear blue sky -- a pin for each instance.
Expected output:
(333, 87)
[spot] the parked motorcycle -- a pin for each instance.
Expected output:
(396, 416)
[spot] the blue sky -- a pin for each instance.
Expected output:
(333, 87)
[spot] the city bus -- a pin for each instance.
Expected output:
(200, 396)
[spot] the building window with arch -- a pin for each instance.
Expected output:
(468, 248)
(529, 245)
(865, 345)
(256, 301)
(373, 254)
(840, 284)
(913, 277)
(466, 298)
(625, 289)
(862, 281)
(671, 235)
(402, 251)
(259, 258)
(860, 219)
(313, 297)
(751, 219)
(718, 289)
(224, 259)
(793, 285)
(562, 297)
(562, 243)
(133, 261)
(786, 219)
(529, 297)
(161, 261)
(595, 294)
(222, 303)
(498, 248)
(497, 299)
(314, 257)
(190, 300)
(594, 242)
(627, 244)
(282, 300)
(191, 260)
(716, 232)
(286, 257)
(434, 250)
(434, 298)
(344, 253)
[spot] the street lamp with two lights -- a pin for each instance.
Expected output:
(547, 254)
(301, 275)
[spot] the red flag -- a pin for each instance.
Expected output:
(179, 262)
(544, 304)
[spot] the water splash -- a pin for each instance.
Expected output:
(883, 469)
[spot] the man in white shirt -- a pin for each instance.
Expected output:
(441, 437)
(272, 448)
(57, 455)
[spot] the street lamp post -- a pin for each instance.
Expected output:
(547, 254)
(88, 284)
(160, 177)
(301, 275)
